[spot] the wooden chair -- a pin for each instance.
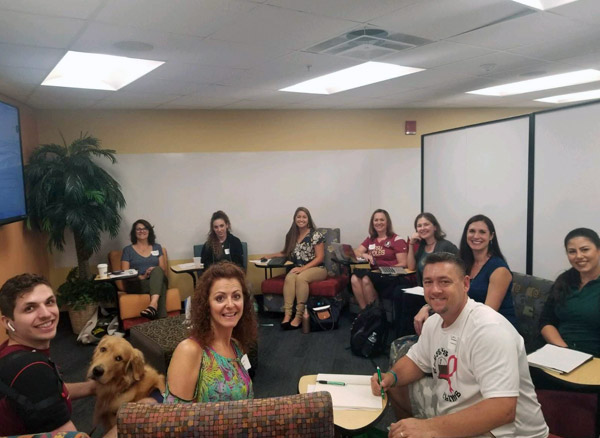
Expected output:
(130, 305)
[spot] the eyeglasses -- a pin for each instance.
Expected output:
(141, 230)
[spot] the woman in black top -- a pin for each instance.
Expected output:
(221, 244)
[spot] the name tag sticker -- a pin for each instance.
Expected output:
(154, 253)
(246, 362)
(227, 251)
(371, 247)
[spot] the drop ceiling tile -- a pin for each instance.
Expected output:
(150, 85)
(13, 85)
(101, 38)
(589, 60)
(523, 31)
(56, 8)
(253, 105)
(440, 19)
(16, 55)
(494, 63)
(435, 54)
(126, 99)
(233, 54)
(187, 17)
(356, 10)
(587, 11)
(38, 30)
(291, 69)
(64, 98)
(582, 41)
(179, 71)
(198, 101)
(271, 26)
(22, 75)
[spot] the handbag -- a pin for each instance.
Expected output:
(324, 313)
(102, 322)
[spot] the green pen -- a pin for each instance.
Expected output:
(331, 382)
(380, 380)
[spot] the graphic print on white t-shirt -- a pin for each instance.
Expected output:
(445, 365)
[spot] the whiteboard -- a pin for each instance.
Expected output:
(567, 185)
(260, 191)
(481, 169)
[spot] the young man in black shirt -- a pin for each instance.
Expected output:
(33, 397)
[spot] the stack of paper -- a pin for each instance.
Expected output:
(417, 290)
(563, 360)
(355, 394)
(126, 273)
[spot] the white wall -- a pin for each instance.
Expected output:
(259, 191)
(481, 169)
(567, 185)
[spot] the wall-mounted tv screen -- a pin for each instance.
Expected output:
(12, 188)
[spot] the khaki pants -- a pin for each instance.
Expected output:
(296, 286)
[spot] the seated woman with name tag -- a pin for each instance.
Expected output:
(146, 256)
(221, 245)
(211, 365)
(304, 246)
(381, 248)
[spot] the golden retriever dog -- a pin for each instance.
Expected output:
(122, 377)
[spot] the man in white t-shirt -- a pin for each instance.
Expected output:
(481, 378)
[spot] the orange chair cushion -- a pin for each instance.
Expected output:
(130, 305)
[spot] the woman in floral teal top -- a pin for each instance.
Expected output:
(304, 246)
(210, 365)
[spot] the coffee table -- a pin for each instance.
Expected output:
(157, 340)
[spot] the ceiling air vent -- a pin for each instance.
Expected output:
(367, 44)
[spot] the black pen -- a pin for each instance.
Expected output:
(331, 382)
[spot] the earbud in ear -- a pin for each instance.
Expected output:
(11, 327)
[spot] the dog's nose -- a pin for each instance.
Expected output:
(98, 371)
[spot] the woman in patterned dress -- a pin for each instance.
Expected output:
(211, 365)
(305, 248)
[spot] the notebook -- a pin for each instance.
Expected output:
(355, 394)
(563, 360)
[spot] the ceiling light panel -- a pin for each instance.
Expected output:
(544, 83)
(572, 97)
(98, 72)
(544, 4)
(353, 77)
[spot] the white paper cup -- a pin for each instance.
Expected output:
(102, 270)
(198, 261)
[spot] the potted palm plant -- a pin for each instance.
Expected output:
(67, 191)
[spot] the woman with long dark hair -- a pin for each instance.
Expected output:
(382, 247)
(211, 365)
(147, 257)
(220, 244)
(305, 247)
(491, 279)
(571, 316)
(429, 238)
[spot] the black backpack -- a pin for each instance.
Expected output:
(369, 331)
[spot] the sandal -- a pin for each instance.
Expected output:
(149, 312)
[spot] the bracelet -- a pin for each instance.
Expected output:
(395, 377)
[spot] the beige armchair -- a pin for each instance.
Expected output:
(130, 305)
